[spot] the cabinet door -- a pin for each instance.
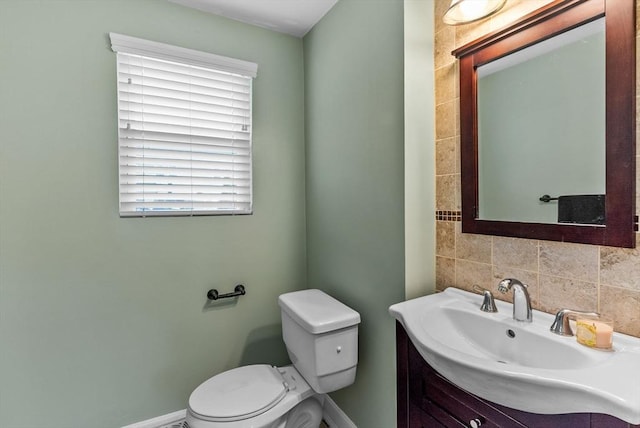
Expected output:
(421, 419)
(467, 409)
(443, 418)
(606, 421)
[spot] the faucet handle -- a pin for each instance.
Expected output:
(561, 324)
(488, 303)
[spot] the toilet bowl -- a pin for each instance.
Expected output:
(320, 335)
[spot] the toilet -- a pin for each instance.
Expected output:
(321, 337)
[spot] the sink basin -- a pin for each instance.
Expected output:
(521, 365)
(499, 339)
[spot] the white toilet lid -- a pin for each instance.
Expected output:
(240, 393)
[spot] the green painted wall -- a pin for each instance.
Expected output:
(355, 195)
(103, 320)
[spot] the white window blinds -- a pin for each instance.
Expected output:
(184, 130)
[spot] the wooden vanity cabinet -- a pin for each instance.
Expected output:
(427, 400)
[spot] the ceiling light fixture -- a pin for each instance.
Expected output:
(465, 11)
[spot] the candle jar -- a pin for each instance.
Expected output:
(595, 332)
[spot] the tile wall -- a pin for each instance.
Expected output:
(560, 275)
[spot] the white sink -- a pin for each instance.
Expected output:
(521, 365)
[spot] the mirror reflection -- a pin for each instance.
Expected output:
(554, 173)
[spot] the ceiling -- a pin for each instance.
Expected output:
(295, 17)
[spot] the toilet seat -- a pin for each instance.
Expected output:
(272, 414)
(238, 394)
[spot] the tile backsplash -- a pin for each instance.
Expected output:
(560, 275)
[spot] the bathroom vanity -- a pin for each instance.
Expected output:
(428, 400)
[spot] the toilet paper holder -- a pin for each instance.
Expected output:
(239, 290)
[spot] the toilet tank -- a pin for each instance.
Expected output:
(321, 336)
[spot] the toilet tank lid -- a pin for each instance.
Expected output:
(317, 312)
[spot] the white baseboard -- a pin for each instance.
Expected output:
(161, 421)
(334, 416)
(331, 413)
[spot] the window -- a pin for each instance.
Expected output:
(184, 130)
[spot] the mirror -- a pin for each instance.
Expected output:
(547, 110)
(558, 82)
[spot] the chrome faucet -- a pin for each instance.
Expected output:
(521, 300)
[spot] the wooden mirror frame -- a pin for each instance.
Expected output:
(550, 20)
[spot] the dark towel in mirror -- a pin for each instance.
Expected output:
(582, 209)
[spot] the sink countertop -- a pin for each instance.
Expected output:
(534, 371)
